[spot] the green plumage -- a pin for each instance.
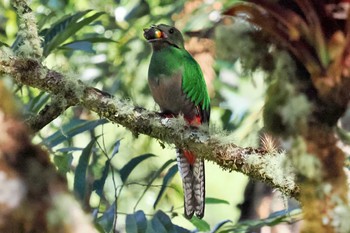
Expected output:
(193, 83)
(171, 60)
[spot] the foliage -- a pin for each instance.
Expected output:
(284, 216)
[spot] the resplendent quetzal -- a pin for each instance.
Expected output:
(178, 86)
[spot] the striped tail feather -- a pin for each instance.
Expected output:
(199, 187)
(193, 182)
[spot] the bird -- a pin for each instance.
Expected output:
(178, 86)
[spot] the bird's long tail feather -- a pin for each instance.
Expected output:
(193, 181)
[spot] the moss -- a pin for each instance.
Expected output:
(249, 46)
(341, 216)
(295, 112)
(29, 42)
(222, 137)
(273, 166)
(307, 165)
(286, 109)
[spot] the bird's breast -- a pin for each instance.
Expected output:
(167, 93)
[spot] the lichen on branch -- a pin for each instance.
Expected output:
(28, 43)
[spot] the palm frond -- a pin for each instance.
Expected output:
(314, 13)
(295, 23)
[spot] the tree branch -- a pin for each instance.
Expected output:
(257, 163)
(49, 113)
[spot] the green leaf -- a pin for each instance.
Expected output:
(200, 224)
(3, 44)
(97, 40)
(74, 127)
(79, 45)
(63, 162)
(219, 225)
(69, 149)
(100, 183)
(16, 44)
(99, 228)
(130, 224)
(129, 167)
(106, 221)
(167, 178)
(161, 223)
(38, 102)
(212, 200)
(80, 171)
(65, 28)
(115, 148)
(86, 44)
(50, 33)
(274, 219)
(182, 230)
(136, 223)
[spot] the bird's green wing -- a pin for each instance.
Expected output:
(193, 83)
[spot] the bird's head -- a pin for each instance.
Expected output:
(162, 33)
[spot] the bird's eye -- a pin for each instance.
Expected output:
(171, 31)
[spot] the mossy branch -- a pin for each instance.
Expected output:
(215, 147)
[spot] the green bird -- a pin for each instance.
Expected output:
(177, 85)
